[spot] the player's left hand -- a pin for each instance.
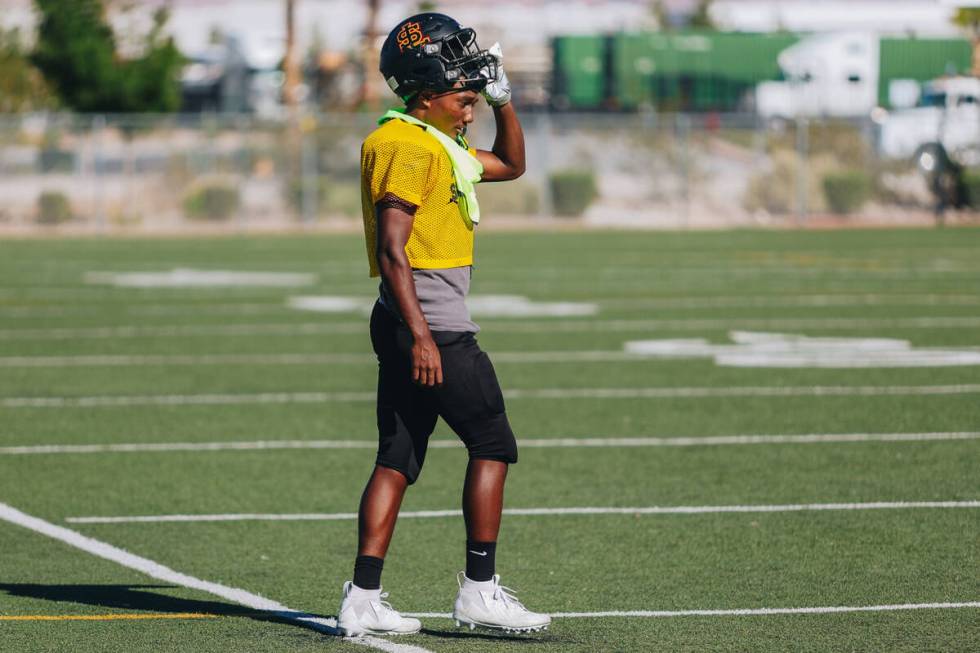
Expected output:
(497, 90)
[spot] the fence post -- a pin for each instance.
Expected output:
(98, 131)
(543, 129)
(683, 131)
(309, 174)
(802, 170)
(244, 172)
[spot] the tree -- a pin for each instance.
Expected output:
(969, 19)
(701, 18)
(76, 52)
(22, 87)
(659, 11)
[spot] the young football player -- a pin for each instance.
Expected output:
(420, 212)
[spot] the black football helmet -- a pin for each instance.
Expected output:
(433, 52)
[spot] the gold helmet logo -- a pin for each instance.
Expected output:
(410, 36)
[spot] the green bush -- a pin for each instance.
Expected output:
(971, 187)
(53, 159)
(572, 191)
(513, 198)
(53, 208)
(776, 191)
(847, 190)
(212, 201)
(332, 196)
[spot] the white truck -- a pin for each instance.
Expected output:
(834, 74)
(940, 134)
(947, 114)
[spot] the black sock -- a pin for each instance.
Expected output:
(480, 560)
(367, 572)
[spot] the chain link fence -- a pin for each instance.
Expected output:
(107, 174)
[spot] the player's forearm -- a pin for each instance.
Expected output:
(397, 274)
(508, 146)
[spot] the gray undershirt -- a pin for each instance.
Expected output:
(442, 296)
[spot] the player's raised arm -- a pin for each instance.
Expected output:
(506, 160)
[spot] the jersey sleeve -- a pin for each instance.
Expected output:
(401, 168)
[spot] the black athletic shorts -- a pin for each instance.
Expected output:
(469, 399)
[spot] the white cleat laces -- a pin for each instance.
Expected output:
(489, 604)
(365, 612)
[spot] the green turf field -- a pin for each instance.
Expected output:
(224, 402)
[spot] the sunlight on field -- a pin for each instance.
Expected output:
(720, 431)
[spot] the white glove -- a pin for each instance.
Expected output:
(497, 90)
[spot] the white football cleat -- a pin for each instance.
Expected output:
(490, 605)
(365, 612)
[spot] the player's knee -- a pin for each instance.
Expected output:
(409, 471)
(400, 456)
(495, 441)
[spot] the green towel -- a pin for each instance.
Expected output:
(467, 170)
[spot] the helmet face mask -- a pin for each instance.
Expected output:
(432, 52)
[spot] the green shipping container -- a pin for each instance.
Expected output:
(579, 72)
(712, 71)
(921, 60)
(692, 70)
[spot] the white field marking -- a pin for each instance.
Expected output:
(141, 360)
(569, 326)
(537, 443)
(753, 349)
(160, 572)
(189, 277)
(537, 393)
(738, 391)
(520, 306)
(330, 304)
(210, 309)
(768, 301)
(697, 324)
(148, 310)
(510, 357)
(179, 309)
(183, 330)
(737, 612)
(479, 306)
(430, 514)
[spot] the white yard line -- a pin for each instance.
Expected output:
(738, 612)
(105, 401)
(707, 302)
(184, 330)
(205, 360)
(769, 301)
(160, 572)
(763, 324)
(648, 510)
(541, 443)
(297, 359)
(143, 360)
(497, 325)
(739, 391)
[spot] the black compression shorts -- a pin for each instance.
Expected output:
(469, 399)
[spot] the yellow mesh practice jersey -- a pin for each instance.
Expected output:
(402, 159)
